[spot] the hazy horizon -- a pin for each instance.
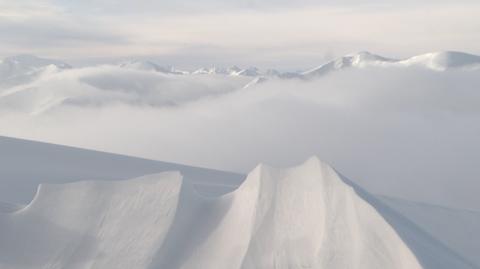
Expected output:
(212, 32)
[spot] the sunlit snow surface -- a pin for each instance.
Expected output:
(307, 216)
(303, 217)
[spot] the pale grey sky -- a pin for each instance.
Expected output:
(268, 33)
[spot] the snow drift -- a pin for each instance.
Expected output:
(304, 217)
(68, 164)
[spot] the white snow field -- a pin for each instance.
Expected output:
(25, 164)
(455, 228)
(307, 216)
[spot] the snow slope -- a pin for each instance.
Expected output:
(303, 217)
(25, 164)
(293, 218)
(456, 228)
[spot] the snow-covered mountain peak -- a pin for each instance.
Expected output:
(365, 57)
(234, 69)
(26, 61)
(231, 71)
(314, 167)
(145, 65)
(140, 65)
(360, 59)
(205, 71)
(437, 61)
(20, 69)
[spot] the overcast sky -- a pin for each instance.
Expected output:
(269, 33)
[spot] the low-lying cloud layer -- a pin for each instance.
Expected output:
(409, 132)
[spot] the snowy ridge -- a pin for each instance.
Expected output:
(438, 61)
(303, 217)
(25, 68)
(25, 62)
(361, 59)
(103, 85)
(27, 65)
(231, 71)
(91, 224)
(151, 66)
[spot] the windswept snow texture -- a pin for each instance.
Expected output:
(304, 217)
(25, 164)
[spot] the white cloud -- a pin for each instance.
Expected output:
(406, 132)
(292, 37)
(24, 10)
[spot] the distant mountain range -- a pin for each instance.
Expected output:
(33, 84)
(438, 61)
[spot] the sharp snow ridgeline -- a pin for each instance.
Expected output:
(303, 217)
